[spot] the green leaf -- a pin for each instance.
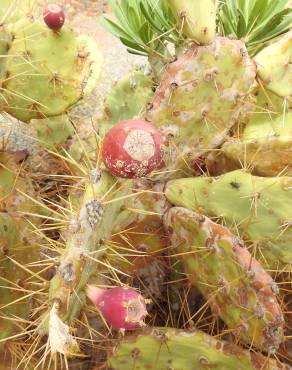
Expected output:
(132, 45)
(256, 21)
(130, 51)
(269, 27)
(241, 25)
(256, 12)
(113, 28)
(150, 20)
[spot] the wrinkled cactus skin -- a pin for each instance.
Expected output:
(202, 95)
(238, 289)
(164, 348)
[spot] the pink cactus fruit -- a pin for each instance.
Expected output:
(132, 149)
(122, 307)
(54, 16)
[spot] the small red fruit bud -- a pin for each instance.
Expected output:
(132, 149)
(54, 17)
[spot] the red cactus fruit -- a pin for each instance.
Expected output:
(122, 308)
(54, 16)
(132, 149)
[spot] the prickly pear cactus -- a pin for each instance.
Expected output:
(49, 74)
(219, 96)
(164, 348)
(258, 207)
(265, 143)
(202, 94)
(54, 131)
(275, 66)
(140, 225)
(5, 40)
(19, 248)
(197, 19)
(238, 289)
(12, 11)
(88, 229)
(128, 99)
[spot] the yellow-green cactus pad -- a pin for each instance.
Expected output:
(93, 61)
(197, 18)
(14, 10)
(54, 131)
(238, 289)
(14, 303)
(46, 72)
(127, 99)
(18, 247)
(92, 223)
(275, 66)
(266, 142)
(259, 208)
(202, 94)
(166, 348)
(5, 42)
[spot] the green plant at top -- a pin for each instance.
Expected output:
(143, 26)
(254, 21)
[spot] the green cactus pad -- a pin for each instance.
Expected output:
(13, 302)
(266, 142)
(128, 99)
(165, 349)
(17, 243)
(11, 12)
(238, 289)
(14, 10)
(139, 226)
(197, 19)
(54, 131)
(259, 208)
(202, 94)
(46, 72)
(5, 42)
(93, 61)
(91, 224)
(275, 66)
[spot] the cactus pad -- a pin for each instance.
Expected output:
(46, 75)
(202, 94)
(18, 247)
(239, 290)
(53, 131)
(128, 99)
(196, 19)
(260, 208)
(275, 65)
(164, 348)
(265, 144)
